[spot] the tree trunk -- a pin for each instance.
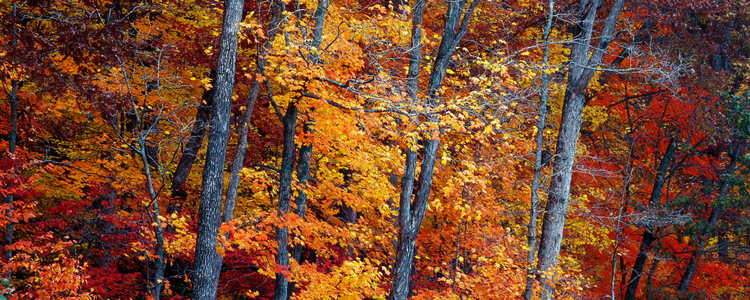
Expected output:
(281, 290)
(251, 100)
(648, 234)
(406, 238)
(412, 215)
(158, 281)
(283, 287)
(584, 60)
(538, 163)
(12, 141)
(207, 260)
(303, 175)
(195, 140)
(687, 277)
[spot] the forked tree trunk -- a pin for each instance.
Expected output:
(284, 288)
(538, 162)
(411, 214)
(584, 60)
(158, 281)
(207, 260)
(252, 98)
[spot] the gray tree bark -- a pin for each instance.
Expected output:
(584, 60)
(251, 100)
(195, 140)
(411, 214)
(281, 290)
(207, 260)
(538, 162)
(158, 281)
(284, 288)
(648, 235)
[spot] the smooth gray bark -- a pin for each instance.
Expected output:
(207, 260)
(648, 234)
(538, 159)
(584, 60)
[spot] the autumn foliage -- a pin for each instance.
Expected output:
(100, 102)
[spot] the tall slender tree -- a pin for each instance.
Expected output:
(283, 289)
(585, 59)
(538, 159)
(649, 236)
(412, 212)
(207, 259)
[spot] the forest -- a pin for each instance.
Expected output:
(375, 149)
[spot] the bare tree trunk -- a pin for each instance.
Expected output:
(406, 238)
(412, 215)
(538, 164)
(158, 281)
(207, 260)
(284, 288)
(648, 234)
(303, 175)
(687, 277)
(626, 195)
(584, 60)
(281, 290)
(195, 140)
(251, 100)
(12, 141)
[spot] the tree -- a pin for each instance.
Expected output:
(538, 159)
(412, 212)
(585, 58)
(648, 234)
(207, 260)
